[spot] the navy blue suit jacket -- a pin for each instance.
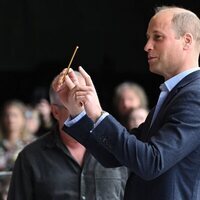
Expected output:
(164, 159)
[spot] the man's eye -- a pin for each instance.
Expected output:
(157, 37)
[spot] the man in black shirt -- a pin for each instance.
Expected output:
(58, 167)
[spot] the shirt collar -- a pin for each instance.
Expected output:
(172, 82)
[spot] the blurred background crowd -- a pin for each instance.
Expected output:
(22, 123)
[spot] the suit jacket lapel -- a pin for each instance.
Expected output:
(185, 81)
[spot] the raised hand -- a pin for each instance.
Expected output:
(88, 96)
(65, 86)
(76, 95)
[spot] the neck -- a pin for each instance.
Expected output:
(76, 149)
(13, 136)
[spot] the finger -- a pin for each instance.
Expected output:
(73, 77)
(86, 76)
(62, 76)
(81, 100)
(57, 83)
(69, 82)
(64, 71)
(59, 80)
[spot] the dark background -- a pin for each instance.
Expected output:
(38, 37)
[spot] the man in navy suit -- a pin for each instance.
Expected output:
(164, 158)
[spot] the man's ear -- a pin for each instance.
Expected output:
(54, 111)
(188, 39)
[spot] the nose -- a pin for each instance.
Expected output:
(148, 46)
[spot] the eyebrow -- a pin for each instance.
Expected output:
(154, 32)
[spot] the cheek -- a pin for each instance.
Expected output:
(174, 58)
(174, 52)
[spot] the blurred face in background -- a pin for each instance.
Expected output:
(13, 119)
(44, 107)
(32, 121)
(127, 101)
(60, 113)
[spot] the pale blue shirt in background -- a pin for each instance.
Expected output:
(167, 85)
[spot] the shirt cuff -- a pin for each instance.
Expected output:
(69, 122)
(103, 115)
